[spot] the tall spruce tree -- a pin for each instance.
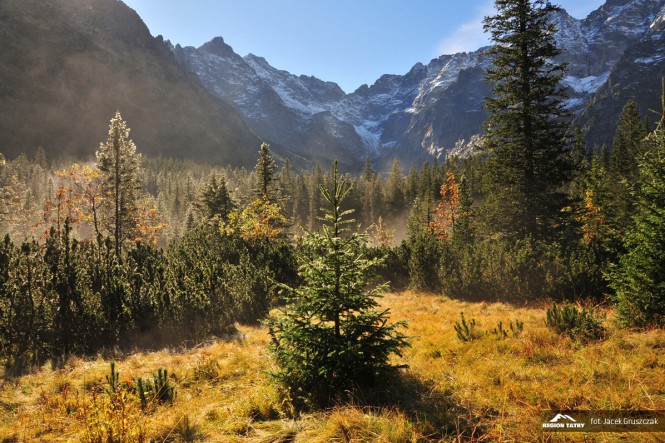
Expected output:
(628, 142)
(120, 164)
(313, 184)
(333, 337)
(394, 190)
(639, 280)
(419, 218)
(464, 229)
(265, 179)
(627, 148)
(524, 133)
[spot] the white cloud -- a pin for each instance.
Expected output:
(469, 36)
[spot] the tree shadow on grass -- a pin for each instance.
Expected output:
(178, 340)
(436, 413)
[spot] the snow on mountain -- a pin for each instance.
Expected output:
(636, 75)
(586, 85)
(426, 112)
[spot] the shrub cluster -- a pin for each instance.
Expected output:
(495, 269)
(579, 324)
(78, 297)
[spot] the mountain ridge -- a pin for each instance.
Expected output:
(433, 109)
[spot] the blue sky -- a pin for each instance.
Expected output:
(350, 42)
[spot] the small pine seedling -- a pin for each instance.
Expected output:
(515, 329)
(161, 390)
(466, 331)
(113, 380)
(164, 390)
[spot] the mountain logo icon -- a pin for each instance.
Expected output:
(560, 417)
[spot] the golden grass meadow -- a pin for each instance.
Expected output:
(494, 389)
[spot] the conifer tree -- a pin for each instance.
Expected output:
(59, 256)
(463, 228)
(426, 190)
(263, 216)
(639, 280)
(30, 312)
(287, 183)
(215, 199)
(265, 180)
(4, 211)
(40, 158)
(365, 187)
(394, 190)
(313, 184)
(524, 133)
(368, 171)
(333, 337)
(623, 173)
(300, 201)
(580, 161)
(580, 156)
(411, 184)
(8, 252)
(420, 217)
(119, 163)
(627, 145)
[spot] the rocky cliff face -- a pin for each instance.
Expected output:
(66, 66)
(637, 75)
(434, 108)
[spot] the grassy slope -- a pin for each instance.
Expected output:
(493, 389)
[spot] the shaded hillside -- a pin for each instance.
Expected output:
(637, 76)
(67, 65)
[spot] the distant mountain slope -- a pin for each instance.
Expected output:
(67, 65)
(636, 76)
(432, 109)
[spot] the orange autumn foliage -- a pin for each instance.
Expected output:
(591, 218)
(446, 210)
(148, 224)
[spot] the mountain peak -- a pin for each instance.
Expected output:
(256, 58)
(218, 46)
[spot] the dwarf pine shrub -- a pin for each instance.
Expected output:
(579, 324)
(466, 331)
